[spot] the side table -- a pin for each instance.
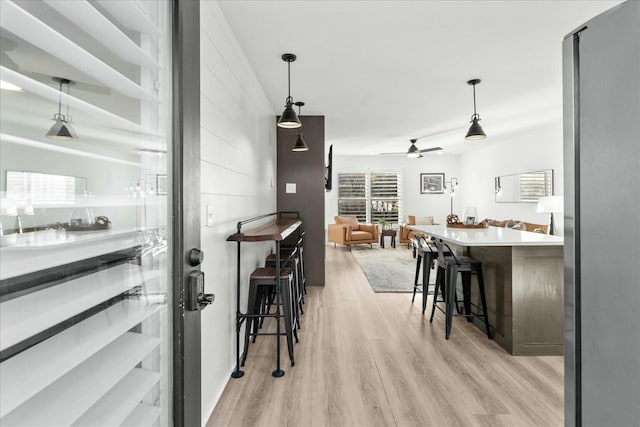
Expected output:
(388, 232)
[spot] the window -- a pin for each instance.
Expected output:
(352, 195)
(371, 197)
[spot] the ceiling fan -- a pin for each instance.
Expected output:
(413, 151)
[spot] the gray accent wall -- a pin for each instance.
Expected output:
(305, 170)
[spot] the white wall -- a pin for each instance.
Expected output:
(526, 151)
(238, 167)
(414, 203)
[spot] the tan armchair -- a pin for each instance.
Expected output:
(348, 231)
(405, 235)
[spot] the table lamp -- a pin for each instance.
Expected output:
(550, 204)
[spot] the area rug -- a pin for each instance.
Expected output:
(388, 270)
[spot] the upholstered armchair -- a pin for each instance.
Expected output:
(347, 231)
(405, 235)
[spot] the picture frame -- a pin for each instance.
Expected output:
(431, 183)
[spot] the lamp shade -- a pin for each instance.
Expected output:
(61, 129)
(300, 144)
(475, 130)
(289, 118)
(550, 204)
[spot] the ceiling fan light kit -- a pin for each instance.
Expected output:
(475, 130)
(62, 129)
(289, 119)
(414, 152)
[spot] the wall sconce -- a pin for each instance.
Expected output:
(450, 187)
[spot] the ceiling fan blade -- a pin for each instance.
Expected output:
(393, 154)
(426, 150)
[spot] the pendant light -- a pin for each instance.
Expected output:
(475, 130)
(289, 119)
(300, 144)
(62, 129)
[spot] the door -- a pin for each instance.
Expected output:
(602, 182)
(93, 263)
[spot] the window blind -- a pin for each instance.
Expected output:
(371, 197)
(352, 195)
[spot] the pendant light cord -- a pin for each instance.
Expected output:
(289, 99)
(474, 103)
(67, 116)
(60, 99)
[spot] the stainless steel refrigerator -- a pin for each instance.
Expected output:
(601, 74)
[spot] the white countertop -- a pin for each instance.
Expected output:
(39, 250)
(492, 236)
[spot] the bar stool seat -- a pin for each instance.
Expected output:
(262, 284)
(446, 283)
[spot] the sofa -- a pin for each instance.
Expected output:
(347, 231)
(519, 225)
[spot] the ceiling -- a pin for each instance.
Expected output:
(383, 72)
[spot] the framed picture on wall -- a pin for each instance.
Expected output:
(431, 183)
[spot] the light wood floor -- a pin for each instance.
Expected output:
(367, 359)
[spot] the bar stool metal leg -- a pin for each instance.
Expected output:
(415, 281)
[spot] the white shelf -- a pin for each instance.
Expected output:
(143, 415)
(121, 400)
(27, 373)
(85, 16)
(66, 400)
(26, 26)
(28, 315)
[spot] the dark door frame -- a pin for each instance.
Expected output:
(185, 209)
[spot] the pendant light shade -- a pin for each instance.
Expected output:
(300, 144)
(62, 129)
(289, 119)
(475, 130)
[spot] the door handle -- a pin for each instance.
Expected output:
(196, 298)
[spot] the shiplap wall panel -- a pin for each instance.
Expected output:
(238, 167)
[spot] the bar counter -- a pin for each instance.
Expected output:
(524, 277)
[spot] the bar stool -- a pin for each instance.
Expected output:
(425, 253)
(292, 260)
(300, 246)
(262, 283)
(451, 266)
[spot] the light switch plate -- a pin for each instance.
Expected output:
(209, 216)
(291, 187)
